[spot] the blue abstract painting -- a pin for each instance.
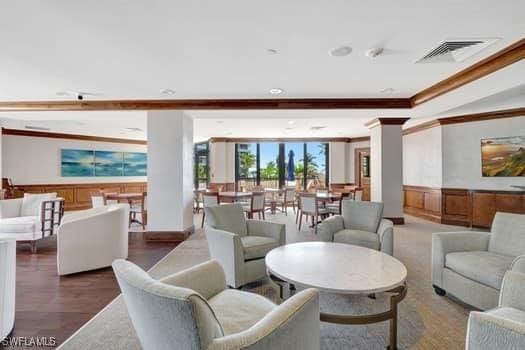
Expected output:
(78, 163)
(108, 163)
(135, 164)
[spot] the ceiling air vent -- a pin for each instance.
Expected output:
(320, 127)
(456, 50)
(31, 127)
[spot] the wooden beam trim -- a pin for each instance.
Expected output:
(55, 135)
(208, 104)
(386, 121)
(501, 59)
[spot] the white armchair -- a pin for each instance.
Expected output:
(193, 309)
(31, 218)
(362, 224)
(470, 265)
(504, 326)
(7, 286)
(240, 245)
(92, 239)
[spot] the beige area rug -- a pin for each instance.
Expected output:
(426, 321)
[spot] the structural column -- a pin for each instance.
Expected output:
(386, 171)
(170, 175)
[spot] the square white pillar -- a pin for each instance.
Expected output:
(386, 171)
(170, 175)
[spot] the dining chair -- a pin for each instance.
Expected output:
(256, 205)
(107, 201)
(309, 207)
(209, 199)
(358, 195)
(334, 207)
(197, 201)
(97, 201)
(288, 199)
(139, 207)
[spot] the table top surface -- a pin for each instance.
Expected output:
(124, 195)
(336, 267)
(235, 194)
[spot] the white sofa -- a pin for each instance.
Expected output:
(31, 218)
(7, 286)
(194, 309)
(92, 239)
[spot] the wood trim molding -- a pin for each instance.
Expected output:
(168, 236)
(501, 59)
(283, 139)
(385, 121)
(467, 118)
(207, 104)
(359, 139)
(55, 135)
(397, 221)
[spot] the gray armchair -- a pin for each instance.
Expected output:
(471, 265)
(362, 224)
(240, 245)
(504, 326)
(193, 309)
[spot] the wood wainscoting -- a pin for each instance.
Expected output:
(463, 207)
(78, 196)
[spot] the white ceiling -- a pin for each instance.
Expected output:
(218, 49)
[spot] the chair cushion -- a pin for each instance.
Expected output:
(256, 247)
(362, 216)
(357, 237)
(484, 267)
(227, 217)
(23, 224)
(237, 310)
(31, 203)
(508, 234)
(508, 313)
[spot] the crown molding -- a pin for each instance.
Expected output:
(56, 135)
(501, 59)
(385, 121)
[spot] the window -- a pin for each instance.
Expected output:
(267, 164)
(202, 165)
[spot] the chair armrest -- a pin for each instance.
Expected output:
(512, 290)
(10, 208)
(267, 229)
(207, 279)
(385, 231)
(449, 242)
(518, 264)
(486, 331)
(329, 227)
(226, 248)
(292, 325)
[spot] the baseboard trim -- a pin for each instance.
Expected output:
(397, 221)
(168, 236)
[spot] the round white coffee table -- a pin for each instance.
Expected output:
(344, 269)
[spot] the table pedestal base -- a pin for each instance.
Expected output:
(397, 295)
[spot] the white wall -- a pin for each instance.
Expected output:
(36, 160)
(222, 162)
(337, 154)
(462, 153)
(350, 175)
(422, 158)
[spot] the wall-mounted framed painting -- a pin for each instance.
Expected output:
(108, 163)
(77, 163)
(135, 164)
(503, 156)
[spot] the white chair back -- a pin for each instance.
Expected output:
(209, 199)
(289, 194)
(258, 201)
(308, 203)
(358, 195)
(97, 201)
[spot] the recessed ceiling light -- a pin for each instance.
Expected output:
(374, 52)
(167, 92)
(341, 51)
(220, 121)
(291, 122)
(288, 128)
(318, 127)
(387, 91)
(276, 91)
(271, 51)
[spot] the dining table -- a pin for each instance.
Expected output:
(126, 197)
(273, 201)
(232, 196)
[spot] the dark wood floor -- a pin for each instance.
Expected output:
(48, 305)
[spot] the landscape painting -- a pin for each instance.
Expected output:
(503, 156)
(108, 163)
(77, 163)
(135, 164)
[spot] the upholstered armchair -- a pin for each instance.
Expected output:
(504, 326)
(31, 218)
(362, 224)
(194, 309)
(7, 286)
(470, 265)
(240, 245)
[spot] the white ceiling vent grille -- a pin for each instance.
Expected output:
(456, 50)
(41, 128)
